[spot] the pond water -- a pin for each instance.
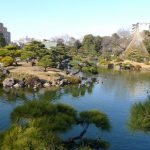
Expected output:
(115, 97)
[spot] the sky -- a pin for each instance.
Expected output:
(43, 19)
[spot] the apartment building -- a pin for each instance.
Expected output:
(6, 34)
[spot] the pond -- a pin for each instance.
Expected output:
(114, 94)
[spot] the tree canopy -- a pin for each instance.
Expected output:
(38, 123)
(139, 119)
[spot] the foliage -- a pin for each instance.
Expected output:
(136, 55)
(60, 56)
(90, 69)
(79, 91)
(34, 47)
(139, 119)
(119, 60)
(19, 137)
(103, 61)
(37, 125)
(84, 64)
(7, 60)
(96, 117)
(10, 51)
(91, 44)
(4, 52)
(12, 47)
(32, 80)
(27, 54)
(147, 40)
(46, 61)
(73, 79)
(77, 45)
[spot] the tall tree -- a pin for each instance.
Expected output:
(88, 43)
(46, 61)
(35, 47)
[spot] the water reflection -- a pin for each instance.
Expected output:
(80, 90)
(123, 84)
(115, 97)
(13, 95)
(126, 85)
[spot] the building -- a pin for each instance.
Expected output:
(49, 44)
(6, 34)
(23, 41)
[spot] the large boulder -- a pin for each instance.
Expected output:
(46, 85)
(8, 82)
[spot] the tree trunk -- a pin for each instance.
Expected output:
(45, 69)
(81, 134)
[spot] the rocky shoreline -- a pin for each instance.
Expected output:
(35, 82)
(31, 81)
(126, 65)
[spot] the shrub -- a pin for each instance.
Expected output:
(137, 68)
(103, 61)
(136, 55)
(90, 69)
(7, 61)
(119, 60)
(93, 70)
(32, 80)
(147, 63)
(46, 61)
(26, 54)
(73, 79)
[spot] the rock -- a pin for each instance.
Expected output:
(17, 85)
(61, 82)
(64, 82)
(5, 72)
(46, 85)
(53, 83)
(35, 86)
(22, 83)
(39, 84)
(60, 78)
(8, 82)
(127, 67)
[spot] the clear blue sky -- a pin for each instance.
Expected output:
(49, 18)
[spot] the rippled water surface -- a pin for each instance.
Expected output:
(115, 97)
